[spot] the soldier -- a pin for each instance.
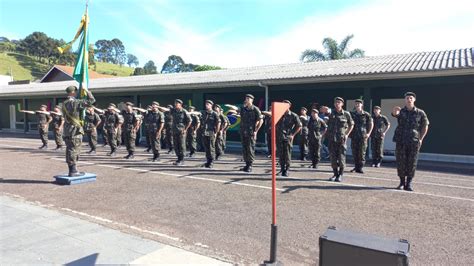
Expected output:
(181, 122)
(315, 126)
(168, 129)
(303, 144)
(191, 143)
(223, 124)
(44, 118)
(130, 129)
(155, 121)
(224, 130)
(250, 123)
(100, 128)
(381, 126)
(363, 126)
(268, 129)
(286, 129)
(91, 121)
(119, 137)
(146, 113)
(73, 131)
(340, 125)
(210, 124)
(58, 125)
(111, 125)
(411, 130)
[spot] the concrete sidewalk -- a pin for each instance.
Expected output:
(31, 234)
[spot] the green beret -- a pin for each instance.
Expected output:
(71, 89)
(155, 103)
(249, 96)
(178, 101)
(410, 94)
(339, 99)
(359, 101)
(210, 102)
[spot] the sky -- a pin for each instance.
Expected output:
(240, 33)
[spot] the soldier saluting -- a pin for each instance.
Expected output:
(363, 126)
(340, 125)
(73, 130)
(411, 130)
(44, 118)
(287, 127)
(58, 126)
(250, 123)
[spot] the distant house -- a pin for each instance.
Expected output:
(64, 73)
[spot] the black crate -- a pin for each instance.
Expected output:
(339, 247)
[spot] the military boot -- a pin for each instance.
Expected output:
(248, 168)
(73, 171)
(155, 157)
(336, 174)
(340, 175)
(285, 171)
(408, 186)
(402, 183)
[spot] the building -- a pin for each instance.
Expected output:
(442, 80)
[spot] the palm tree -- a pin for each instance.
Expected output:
(334, 51)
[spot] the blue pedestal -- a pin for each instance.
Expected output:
(64, 179)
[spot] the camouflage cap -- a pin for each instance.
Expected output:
(410, 94)
(359, 101)
(43, 106)
(129, 103)
(112, 105)
(169, 106)
(57, 106)
(210, 102)
(287, 101)
(249, 96)
(191, 107)
(217, 106)
(155, 103)
(377, 107)
(339, 99)
(178, 101)
(304, 108)
(315, 111)
(71, 89)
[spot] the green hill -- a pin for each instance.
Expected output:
(24, 67)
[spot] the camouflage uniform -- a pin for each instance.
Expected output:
(111, 125)
(101, 129)
(90, 127)
(220, 136)
(130, 121)
(286, 126)
(149, 140)
(181, 119)
(224, 134)
(303, 143)
(338, 124)
(362, 122)
(376, 140)
(314, 139)
(268, 129)
(191, 143)
(209, 124)
(407, 138)
(43, 127)
(58, 132)
(168, 130)
(73, 130)
(154, 120)
(119, 136)
(248, 119)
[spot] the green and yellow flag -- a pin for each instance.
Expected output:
(81, 68)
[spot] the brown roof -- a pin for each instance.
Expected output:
(92, 74)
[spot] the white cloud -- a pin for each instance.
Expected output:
(380, 27)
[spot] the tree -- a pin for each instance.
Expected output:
(206, 68)
(132, 60)
(333, 51)
(138, 71)
(150, 68)
(176, 64)
(105, 51)
(119, 55)
(37, 44)
(91, 55)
